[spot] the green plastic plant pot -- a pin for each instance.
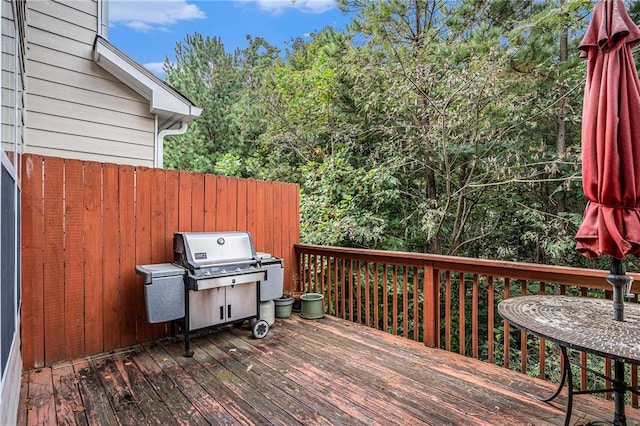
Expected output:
(312, 306)
(283, 306)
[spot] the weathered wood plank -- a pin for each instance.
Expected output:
(335, 377)
(184, 413)
(237, 408)
(23, 408)
(69, 406)
(148, 401)
(236, 380)
(95, 402)
(41, 403)
(126, 407)
(211, 409)
(315, 400)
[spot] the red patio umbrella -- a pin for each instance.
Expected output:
(610, 135)
(611, 155)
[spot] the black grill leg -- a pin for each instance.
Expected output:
(174, 339)
(187, 346)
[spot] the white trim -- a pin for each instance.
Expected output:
(11, 168)
(103, 18)
(10, 387)
(169, 105)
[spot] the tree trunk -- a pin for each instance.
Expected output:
(562, 113)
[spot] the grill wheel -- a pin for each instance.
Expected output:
(260, 329)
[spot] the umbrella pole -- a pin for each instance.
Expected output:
(620, 282)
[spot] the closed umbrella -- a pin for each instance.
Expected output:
(610, 136)
(611, 154)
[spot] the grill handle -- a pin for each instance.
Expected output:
(221, 313)
(228, 311)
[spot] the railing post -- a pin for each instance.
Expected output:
(431, 292)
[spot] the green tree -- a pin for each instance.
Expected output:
(221, 84)
(466, 110)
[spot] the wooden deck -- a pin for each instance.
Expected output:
(327, 371)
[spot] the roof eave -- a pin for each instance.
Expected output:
(164, 101)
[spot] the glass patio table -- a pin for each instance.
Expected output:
(584, 324)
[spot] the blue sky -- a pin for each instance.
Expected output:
(147, 30)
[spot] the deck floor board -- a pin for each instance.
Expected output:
(322, 372)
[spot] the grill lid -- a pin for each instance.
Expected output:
(197, 250)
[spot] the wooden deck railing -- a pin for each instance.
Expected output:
(450, 302)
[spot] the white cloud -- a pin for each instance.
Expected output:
(150, 15)
(155, 67)
(309, 6)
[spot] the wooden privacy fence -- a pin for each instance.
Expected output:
(86, 225)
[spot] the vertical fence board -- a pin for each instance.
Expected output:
(74, 282)
(209, 202)
(295, 220)
(197, 202)
(171, 185)
(127, 255)
(261, 217)
(232, 200)
(158, 217)
(277, 219)
(111, 258)
(93, 291)
(32, 322)
(241, 206)
(291, 229)
(158, 230)
(222, 203)
(252, 213)
(143, 246)
(268, 224)
(184, 202)
(54, 316)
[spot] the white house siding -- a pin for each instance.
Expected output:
(75, 109)
(11, 95)
(7, 61)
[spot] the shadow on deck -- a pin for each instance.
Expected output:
(327, 371)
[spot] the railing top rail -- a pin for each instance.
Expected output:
(592, 278)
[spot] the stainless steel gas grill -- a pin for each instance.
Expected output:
(221, 280)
